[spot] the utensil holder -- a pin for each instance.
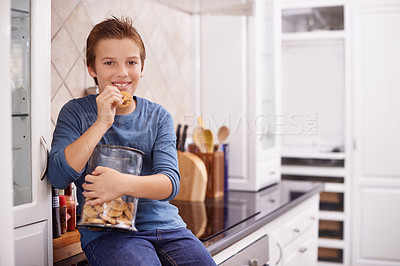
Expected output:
(215, 171)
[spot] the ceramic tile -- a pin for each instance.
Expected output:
(158, 44)
(56, 22)
(186, 69)
(64, 8)
(176, 86)
(56, 81)
(61, 97)
(63, 52)
(75, 80)
(169, 67)
(79, 26)
(158, 87)
(96, 9)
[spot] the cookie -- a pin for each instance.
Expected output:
(95, 220)
(108, 219)
(90, 211)
(119, 205)
(114, 213)
(126, 99)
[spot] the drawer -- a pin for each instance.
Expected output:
(254, 254)
(298, 224)
(302, 251)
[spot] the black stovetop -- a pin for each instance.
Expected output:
(212, 219)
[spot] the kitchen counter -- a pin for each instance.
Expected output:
(219, 223)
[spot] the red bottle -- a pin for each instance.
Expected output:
(63, 213)
(71, 209)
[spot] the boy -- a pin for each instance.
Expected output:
(115, 58)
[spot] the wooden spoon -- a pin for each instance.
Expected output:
(200, 122)
(209, 140)
(198, 138)
(223, 134)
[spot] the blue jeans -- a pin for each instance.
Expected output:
(153, 247)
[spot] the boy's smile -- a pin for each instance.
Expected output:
(117, 64)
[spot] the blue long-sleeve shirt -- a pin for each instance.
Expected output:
(148, 128)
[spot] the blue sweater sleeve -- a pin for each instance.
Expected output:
(165, 158)
(67, 130)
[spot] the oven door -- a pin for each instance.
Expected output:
(255, 254)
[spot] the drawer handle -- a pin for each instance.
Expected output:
(296, 230)
(312, 218)
(303, 249)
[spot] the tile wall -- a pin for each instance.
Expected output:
(167, 34)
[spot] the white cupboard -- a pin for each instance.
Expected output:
(30, 96)
(375, 67)
(239, 81)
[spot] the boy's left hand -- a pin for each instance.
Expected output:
(103, 185)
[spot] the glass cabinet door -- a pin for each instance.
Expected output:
(20, 90)
(266, 73)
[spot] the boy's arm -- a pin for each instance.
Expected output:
(107, 184)
(163, 184)
(78, 152)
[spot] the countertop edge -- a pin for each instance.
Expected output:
(231, 239)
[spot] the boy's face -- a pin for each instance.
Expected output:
(117, 64)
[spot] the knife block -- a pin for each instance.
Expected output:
(215, 171)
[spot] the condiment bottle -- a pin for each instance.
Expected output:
(56, 213)
(71, 209)
(63, 213)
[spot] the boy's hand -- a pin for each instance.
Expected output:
(103, 185)
(107, 102)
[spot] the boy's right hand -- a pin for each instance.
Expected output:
(107, 102)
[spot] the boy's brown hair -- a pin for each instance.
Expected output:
(112, 28)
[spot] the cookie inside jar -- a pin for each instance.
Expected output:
(116, 214)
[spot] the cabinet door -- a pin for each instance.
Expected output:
(376, 79)
(376, 85)
(378, 225)
(31, 244)
(30, 89)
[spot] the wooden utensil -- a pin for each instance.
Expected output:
(200, 122)
(198, 138)
(194, 177)
(223, 134)
(209, 140)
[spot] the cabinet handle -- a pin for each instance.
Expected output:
(303, 249)
(254, 262)
(280, 254)
(296, 230)
(44, 144)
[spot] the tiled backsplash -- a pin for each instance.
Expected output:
(167, 34)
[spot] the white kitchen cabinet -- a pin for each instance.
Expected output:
(299, 249)
(30, 90)
(375, 68)
(239, 81)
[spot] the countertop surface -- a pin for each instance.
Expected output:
(218, 223)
